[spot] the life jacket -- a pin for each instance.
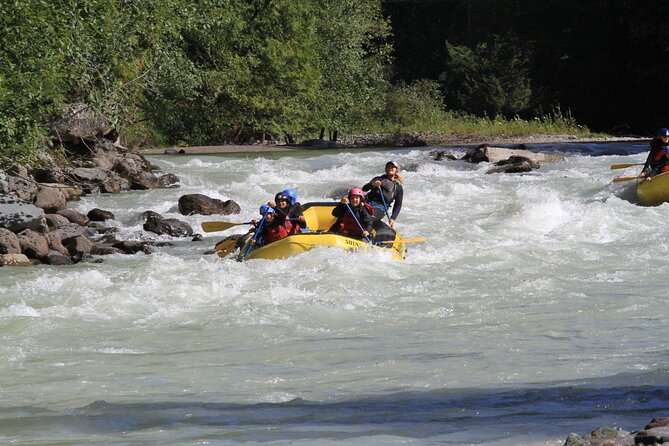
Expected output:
(277, 232)
(348, 224)
(295, 226)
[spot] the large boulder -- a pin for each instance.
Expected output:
(494, 155)
(514, 164)
(9, 242)
(33, 244)
(56, 258)
(204, 205)
(55, 221)
(72, 230)
(78, 247)
(50, 199)
(74, 216)
(79, 122)
(23, 188)
(97, 214)
(17, 215)
(14, 260)
(133, 247)
(56, 243)
(167, 226)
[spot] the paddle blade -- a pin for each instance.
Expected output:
(620, 179)
(214, 226)
(225, 247)
(625, 165)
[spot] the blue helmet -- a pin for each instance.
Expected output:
(663, 132)
(292, 193)
(265, 208)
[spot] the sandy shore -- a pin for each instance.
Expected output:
(464, 141)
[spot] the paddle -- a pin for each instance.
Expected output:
(225, 247)
(383, 200)
(215, 226)
(255, 236)
(406, 240)
(362, 230)
(625, 165)
(620, 179)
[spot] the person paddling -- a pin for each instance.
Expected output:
(287, 209)
(295, 212)
(657, 157)
(384, 191)
(273, 229)
(354, 218)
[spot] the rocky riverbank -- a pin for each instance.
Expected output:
(656, 432)
(400, 139)
(88, 157)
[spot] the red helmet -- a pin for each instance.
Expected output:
(356, 191)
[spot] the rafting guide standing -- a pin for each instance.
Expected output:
(385, 191)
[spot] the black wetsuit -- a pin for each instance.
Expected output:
(393, 193)
(656, 157)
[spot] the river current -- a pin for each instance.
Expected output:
(536, 308)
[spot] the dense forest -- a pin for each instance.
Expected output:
(604, 60)
(216, 71)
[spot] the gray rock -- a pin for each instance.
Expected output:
(17, 215)
(602, 436)
(168, 181)
(50, 199)
(78, 122)
(168, 226)
(72, 230)
(56, 258)
(655, 435)
(133, 247)
(90, 174)
(105, 250)
(145, 181)
(23, 188)
(78, 247)
(204, 205)
(97, 214)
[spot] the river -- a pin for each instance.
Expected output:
(536, 308)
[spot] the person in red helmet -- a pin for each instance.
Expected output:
(354, 216)
(656, 161)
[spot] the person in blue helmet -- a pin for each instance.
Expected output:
(272, 228)
(288, 208)
(657, 157)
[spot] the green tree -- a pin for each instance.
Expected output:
(488, 79)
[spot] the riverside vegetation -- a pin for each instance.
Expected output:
(176, 72)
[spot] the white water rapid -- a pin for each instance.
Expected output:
(536, 308)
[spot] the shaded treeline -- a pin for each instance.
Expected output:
(172, 72)
(604, 60)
